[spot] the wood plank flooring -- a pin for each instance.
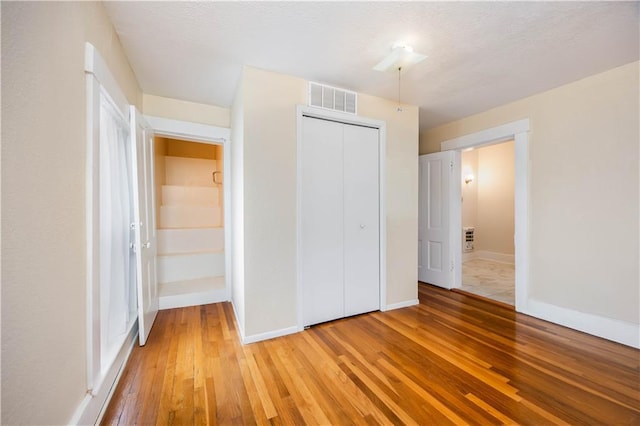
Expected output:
(450, 360)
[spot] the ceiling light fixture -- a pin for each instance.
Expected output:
(401, 56)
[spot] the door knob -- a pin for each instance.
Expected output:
(362, 226)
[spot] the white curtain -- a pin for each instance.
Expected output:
(115, 233)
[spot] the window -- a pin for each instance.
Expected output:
(111, 270)
(117, 259)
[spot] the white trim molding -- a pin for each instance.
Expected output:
(519, 132)
(521, 217)
(400, 305)
(94, 404)
(187, 130)
(204, 133)
(607, 328)
(487, 137)
(270, 335)
(96, 66)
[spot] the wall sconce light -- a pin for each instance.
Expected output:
(467, 174)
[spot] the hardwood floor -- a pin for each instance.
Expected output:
(450, 360)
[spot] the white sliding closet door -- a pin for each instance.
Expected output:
(322, 230)
(361, 223)
(340, 220)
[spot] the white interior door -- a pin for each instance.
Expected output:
(361, 220)
(436, 262)
(145, 226)
(322, 248)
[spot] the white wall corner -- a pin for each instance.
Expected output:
(399, 305)
(618, 331)
(239, 322)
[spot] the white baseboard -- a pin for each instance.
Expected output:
(489, 255)
(295, 329)
(93, 406)
(403, 304)
(270, 335)
(239, 324)
(607, 328)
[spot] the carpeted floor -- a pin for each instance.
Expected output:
(489, 278)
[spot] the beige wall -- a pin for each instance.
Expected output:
(176, 109)
(270, 199)
(470, 190)
(488, 200)
(268, 102)
(219, 156)
(160, 177)
(584, 190)
(182, 148)
(43, 200)
(495, 211)
(179, 148)
(401, 192)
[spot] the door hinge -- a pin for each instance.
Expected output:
(451, 266)
(133, 226)
(451, 165)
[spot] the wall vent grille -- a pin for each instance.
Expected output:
(469, 238)
(333, 98)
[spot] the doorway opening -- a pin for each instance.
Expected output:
(189, 191)
(518, 131)
(487, 215)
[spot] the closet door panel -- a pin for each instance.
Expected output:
(322, 249)
(361, 220)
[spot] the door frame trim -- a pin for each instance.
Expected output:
(304, 110)
(518, 131)
(212, 135)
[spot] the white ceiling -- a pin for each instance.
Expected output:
(481, 54)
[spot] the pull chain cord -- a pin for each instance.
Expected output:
(399, 80)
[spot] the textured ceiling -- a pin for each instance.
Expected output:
(481, 54)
